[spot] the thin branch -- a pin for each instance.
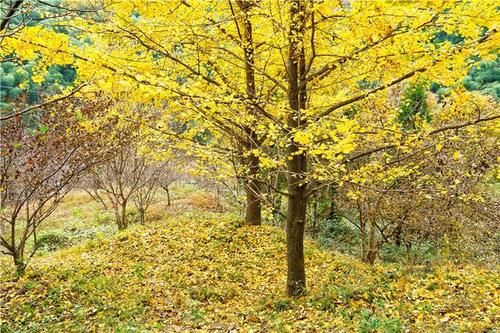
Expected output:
(368, 93)
(33, 107)
(10, 14)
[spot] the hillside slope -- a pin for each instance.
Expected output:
(201, 271)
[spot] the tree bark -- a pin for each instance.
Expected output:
(398, 234)
(142, 214)
(169, 203)
(11, 13)
(253, 206)
(121, 216)
(253, 188)
(295, 223)
(20, 264)
(277, 200)
(123, 213)
(362, 234)
(315, 214)
(372, 253)
(253, 194)
(409, 256)
(296, 158)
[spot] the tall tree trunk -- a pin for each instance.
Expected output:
(276, 200)
(296, 159)
(219, 207)
(333, 211)
(252, 186)
(315, 214)
(253, 193)
(253, 206)
(295, 223)
(363, 240)
(277, 209)
(409, 256)
(118, 217)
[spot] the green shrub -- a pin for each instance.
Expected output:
(103, 217)
(282, 305)
(52, 242)
(338, 235)
(371, 323)
(421, 253)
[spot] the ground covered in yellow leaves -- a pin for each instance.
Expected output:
(202, 271)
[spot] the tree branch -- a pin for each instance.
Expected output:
(33, 107)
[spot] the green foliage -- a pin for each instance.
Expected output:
(442, 36)
(338, 235)
(51, 242)
(425, 252)
(414, 107)
(16, 82)
(16, 79)
(371, 323)
(484, 78)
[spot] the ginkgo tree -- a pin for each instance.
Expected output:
(307, 76)
(313, 61)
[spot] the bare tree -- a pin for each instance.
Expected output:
(120, 178)
(144, 196)
(169, 173)
(40, 162)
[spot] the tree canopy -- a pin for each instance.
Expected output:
(366, 97)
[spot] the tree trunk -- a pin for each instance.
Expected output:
(253, 194)
(219, 207)
(121, 215)
(252, 186)
(253, 206)
(372, 252)
(409, 256)
(296, 159)
(362, 231)
(169, 203)
(315, 214)
(398, 234)
(142, 214)
(277, 209)
(118, 218)
(333, 214)
(295, 223)
(20, 264)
